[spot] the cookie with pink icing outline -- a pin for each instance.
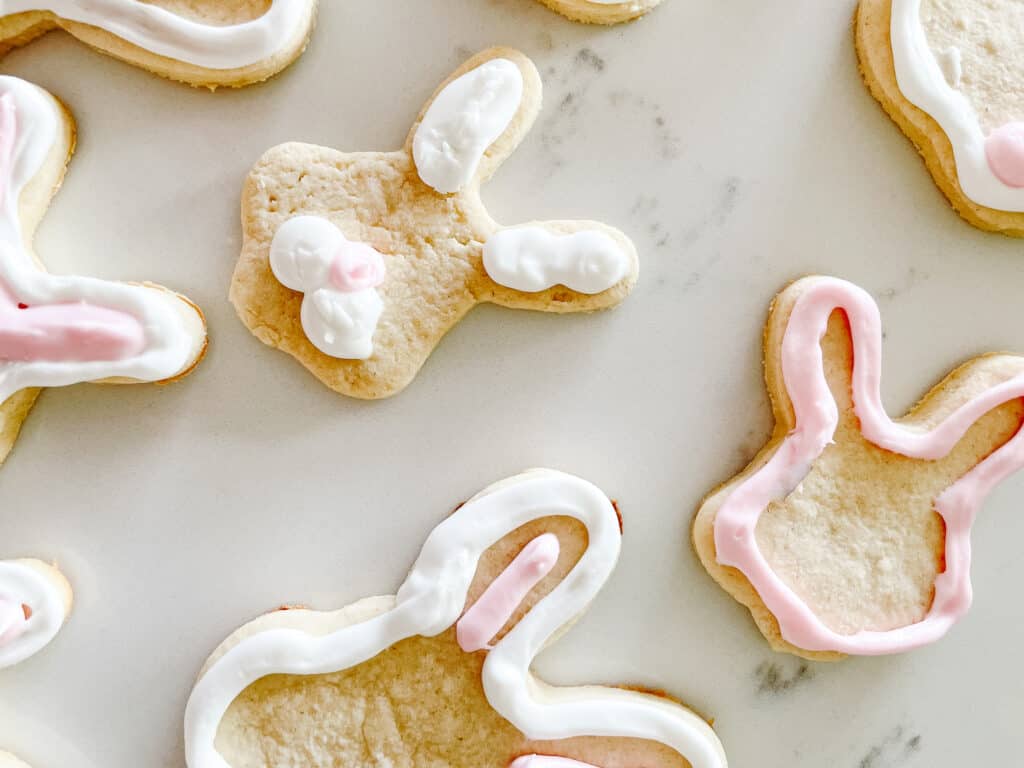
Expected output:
(849, 533)
(206, 43)
(57, 330)
(602, 11)
(357, 264)
(439, 674)
(949, 74)
(35, 600)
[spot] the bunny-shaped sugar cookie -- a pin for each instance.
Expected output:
(849, 533)
(206, 43)
(602, 11)
(440, 674)
(61, 330)
(357, 264)
(949, 74)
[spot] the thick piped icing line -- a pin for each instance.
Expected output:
(339, 277)
(463, 121)
(534, 259)
(499, 601)
(922, 81)
(817, 416)
(175, 37)
(430, 602)
(61, 330)
(21, 635)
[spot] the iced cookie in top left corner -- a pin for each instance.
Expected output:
(206, 43)
(62, 330)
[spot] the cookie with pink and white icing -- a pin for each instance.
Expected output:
(57, 330)
(357, 263)
(950, 74)
(602, 11)
(206, 43)
(440, 673)
(849, 532)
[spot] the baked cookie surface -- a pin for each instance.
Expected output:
(207, 43)
(357, 264)
(947, 72)
(439, 674)
(849, 533)
(602, 11)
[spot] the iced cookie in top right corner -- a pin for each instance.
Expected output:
(951, 75)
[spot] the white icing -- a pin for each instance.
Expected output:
(24, 585)
(923, 82)
(430, 602)
(462, 122)
(533, 259)
(169, 344)
(167, 34)
(340, 324)
(951, 61)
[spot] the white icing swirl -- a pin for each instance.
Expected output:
(466, 117)
(166, 34)
(21, 584)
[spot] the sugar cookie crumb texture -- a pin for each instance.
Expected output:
(597, 12)
(990, 75)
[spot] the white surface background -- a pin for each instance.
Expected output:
(734, 142)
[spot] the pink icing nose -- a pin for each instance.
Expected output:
(66, 333)
(13, 620)
(1004, 149)
(357, 267)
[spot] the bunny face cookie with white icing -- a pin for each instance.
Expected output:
(849, 533)
(61, 330)
(202, 42)
(356, 264)
(602, 11)
(949, 73)
(440, 673)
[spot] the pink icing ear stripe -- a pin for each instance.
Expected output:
(1004, 150)
(66, 333)
(491, 612)
(816, 419)
(542, 761)
(13, 621)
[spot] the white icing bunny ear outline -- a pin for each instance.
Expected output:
(475, 119)
(34, 602)
(62, 330)
(808, 427)
(431, 601)
(170, 45)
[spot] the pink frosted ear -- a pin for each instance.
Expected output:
(491, 612)
(1004, 150)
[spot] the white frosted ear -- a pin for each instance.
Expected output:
(302, 252)
(463, 121)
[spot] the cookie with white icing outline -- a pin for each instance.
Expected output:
(440, 673)
(602, 11)
(205, 43)
(57, 330)
(357, 264)
(849, 533)
(946, 73)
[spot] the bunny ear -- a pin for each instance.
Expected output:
(475, 120)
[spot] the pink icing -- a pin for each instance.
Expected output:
(543, 761)
(65, 332)
(1004, 150)
(357, 267)
(816, 419)
(491, 612)
(13, 621)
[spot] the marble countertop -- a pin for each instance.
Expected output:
(736, 144)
